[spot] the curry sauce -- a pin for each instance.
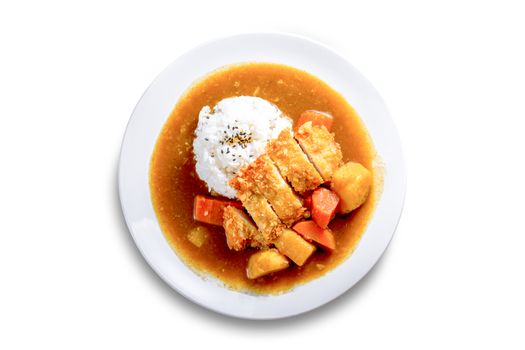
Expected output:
(174, 183)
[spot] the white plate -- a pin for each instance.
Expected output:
(154, 108)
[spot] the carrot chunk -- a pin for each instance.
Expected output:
(211, 210)
(317, 118)
(324, 206)
(312, 232)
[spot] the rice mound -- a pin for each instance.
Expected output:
(232, 135)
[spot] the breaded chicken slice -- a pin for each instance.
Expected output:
(258, 207)
(320, 147)
(293, 163)
(271, 184)
(240, 230)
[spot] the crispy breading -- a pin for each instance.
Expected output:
(320, 147)
(293, 163)
(271, 184)
(258, 207)
(239, 228)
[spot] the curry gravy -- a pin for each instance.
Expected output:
(174, 183)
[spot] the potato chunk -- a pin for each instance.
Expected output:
(352, 184)
(198, 236)
(265, 262)
(294, 246)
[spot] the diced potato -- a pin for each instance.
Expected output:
(294, 246)
(352, 184)
(198, 236)
(265, 262)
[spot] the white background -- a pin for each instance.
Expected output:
(453, 76)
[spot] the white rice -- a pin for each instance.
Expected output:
(231, 135)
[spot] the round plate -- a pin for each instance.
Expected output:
(156, 105)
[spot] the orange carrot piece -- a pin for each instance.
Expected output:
(317, 118)
(211, 210)
(312, 232)
(325, 204)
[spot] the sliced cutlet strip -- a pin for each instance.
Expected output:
(320, 147)
(258, 207)
(239, 228)
(271, 184)
(293, 163)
